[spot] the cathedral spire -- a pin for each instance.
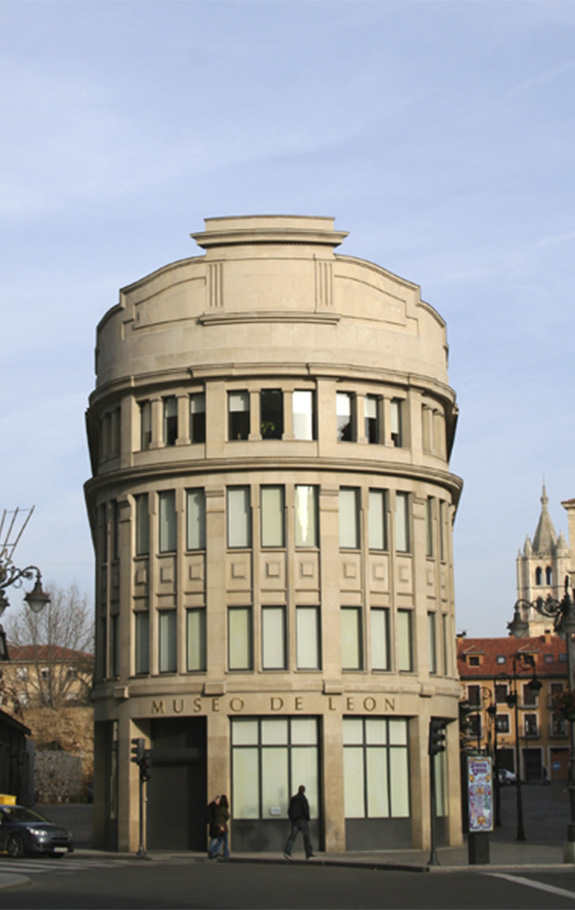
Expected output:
(545, 538)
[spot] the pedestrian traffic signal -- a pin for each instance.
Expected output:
(137, 750)
(436, 736)
(146, 765)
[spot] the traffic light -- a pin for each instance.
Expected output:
(145, 765)
(436, 736)
(137, 750)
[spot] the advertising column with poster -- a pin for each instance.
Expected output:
(480, 806)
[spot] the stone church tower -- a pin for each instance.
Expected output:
(541, 568)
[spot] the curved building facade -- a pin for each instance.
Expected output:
(272, 507)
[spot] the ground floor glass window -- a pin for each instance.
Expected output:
(271, 757)
(376, 767)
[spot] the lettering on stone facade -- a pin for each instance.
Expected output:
(276, 704)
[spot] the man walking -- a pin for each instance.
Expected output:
(299, 816)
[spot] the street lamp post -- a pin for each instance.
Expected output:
(492, 711)
(36, 599)
(563, 614)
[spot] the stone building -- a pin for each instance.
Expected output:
(272, 507)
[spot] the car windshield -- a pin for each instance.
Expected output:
(21, 814)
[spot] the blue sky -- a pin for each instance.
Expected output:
(439, 134)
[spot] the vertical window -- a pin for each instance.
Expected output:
(303, 415)
(142, 641)
(396, 417)
(380, 639)
(142, 525)
(170, 420)
(377, 520)
(372, 418)
(344, 402)
(404, 641)
(273, 638)
(538, 575)
(349, 536)
(239, 517)
(308, 638)
(429, 526)
(238, 415)
(196, 519)
(548, 575)
(351, 649)
(167, 521)
(240, 638)
(432, 641)
(272, 516)
(444, 641)
(167, 644)
(443, 530)
(115, 529)
(145, 424)
(306, 517)
(271, 413)
(114, 644)
(198, 417)
(376, 768)
(195, 640)
(402, 542)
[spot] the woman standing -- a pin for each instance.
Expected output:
(221, 818)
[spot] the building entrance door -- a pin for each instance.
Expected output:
(177, 786)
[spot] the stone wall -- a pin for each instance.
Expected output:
(64, 742)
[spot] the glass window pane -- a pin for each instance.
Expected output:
(304, 731)
(376, 731)
(145, 425)
(351, 657)
(396, 422)
(273, 638)
(142, 641)
(198, 417)
(432, 641)
(196, 639)
(380, 639)
(272, 516)
(429, 526)
(402, 522)
(344, 414)
(142, 525)
(404, 640)
(244, 732)
(271, 413)
(196, 520)
(372, 421)
(167, 649)
(170, 420)
(306, 522)
(302, 406)
(238, 415)
(307, 638)
(398, 732)
(352, 731)
(399, 783)
(275, 789)
(239, 638)
(275, 732)
(377, 520)
(167, 521)
(353, 783)
(377, 786)
(239, 517)
(245, 790)
(349, 518)
(304, 770)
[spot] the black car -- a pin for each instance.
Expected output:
(25, 831)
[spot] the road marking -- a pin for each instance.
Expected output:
(38, 866)
(551, 889)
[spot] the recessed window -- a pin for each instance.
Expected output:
(501, 659)
(240, 638)
(273, 638)
(351, 642)
(145, 425)
(272, 516)
(345, 416)
(377, 520)
(306, 516)
(308, 638)
(404, 641)
(239, 517)
(170, 420)
(271, 413)
(167, 651)
(380, 659)
(238, 415)
(396, 418)
(168, 531)
(473, 661)
(142, 641)
(303, 414)
(349, 536)
(429, 510)
(196, 519)
(432, 641)
(196, 640)
(198, 417)
(372, 407)
(142, 525)
(402, 524)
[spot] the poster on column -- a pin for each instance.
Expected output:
(480, 793)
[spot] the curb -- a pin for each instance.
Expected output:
(9, 881)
